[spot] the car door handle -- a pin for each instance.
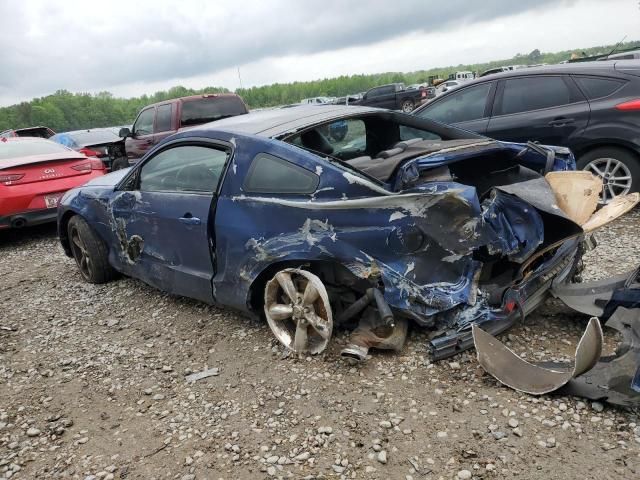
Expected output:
(189, 220)
(561, 122)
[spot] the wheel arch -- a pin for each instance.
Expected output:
(621, 144)
(63, 224)
(331, 272)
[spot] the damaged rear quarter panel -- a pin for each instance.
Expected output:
(416, 243)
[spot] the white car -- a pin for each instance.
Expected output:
(446, 86)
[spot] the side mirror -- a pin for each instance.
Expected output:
(124, 133)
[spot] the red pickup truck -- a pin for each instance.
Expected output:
(158, 121)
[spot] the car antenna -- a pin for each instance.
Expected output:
(616, 46)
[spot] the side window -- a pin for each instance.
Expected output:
(374, 92)
(598, 87)
(144, 123)
(163, 118)
(534, 93)
(462, 106)
(187, 168)
(269, 174)
(409, 133)
(344, 139)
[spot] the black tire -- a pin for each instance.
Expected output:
(89, 252)
(621, 162)
(119, 163)
(407, 105)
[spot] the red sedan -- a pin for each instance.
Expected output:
(34, 174)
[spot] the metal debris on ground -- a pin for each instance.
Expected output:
(194, 377)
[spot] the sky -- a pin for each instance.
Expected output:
(134, 47)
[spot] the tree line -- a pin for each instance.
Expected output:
(65, 111)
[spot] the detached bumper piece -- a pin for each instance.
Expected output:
(614, 379)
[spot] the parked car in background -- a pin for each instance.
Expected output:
(393, 96)
(428, 91)
(317, 100)
(102, 143)
(34, 174)
(446, 86)
(158, 121)
(592, 107)
(628, 55)
(465, 76)
(42, 132)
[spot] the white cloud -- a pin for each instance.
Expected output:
(130, 48)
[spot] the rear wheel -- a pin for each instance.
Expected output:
(407, 105)
(618, 169)
(297, 308)
(89, 252)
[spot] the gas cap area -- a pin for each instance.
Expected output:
(406, 239)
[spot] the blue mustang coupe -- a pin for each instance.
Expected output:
(401, 219)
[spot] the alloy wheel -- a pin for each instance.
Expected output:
(79, 250)
(615, 175)
(298, 311)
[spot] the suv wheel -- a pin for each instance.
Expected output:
(618, 169)
(407, 105)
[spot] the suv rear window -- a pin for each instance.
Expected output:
(534, 93)
(208, 109)
(598, 87)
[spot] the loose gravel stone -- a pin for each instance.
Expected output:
(99, 371)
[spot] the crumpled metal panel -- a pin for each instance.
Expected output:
(518, 228)
(616, 378)
(515, 372)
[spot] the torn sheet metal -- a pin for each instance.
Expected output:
(616, 378)
(591, 297)
(518, 228)
(513, 371)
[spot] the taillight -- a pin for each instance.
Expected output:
(90, 153)
(630, 105)
(96, 164)
(82, 167)
(12, 177)
(92, 164)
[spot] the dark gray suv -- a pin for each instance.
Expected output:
(593, 108)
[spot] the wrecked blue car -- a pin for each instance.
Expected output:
(401, 220)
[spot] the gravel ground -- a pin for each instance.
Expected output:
(92, 385)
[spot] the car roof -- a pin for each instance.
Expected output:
(606, 66)
(278, 121)
(25, 139)
(192, 97)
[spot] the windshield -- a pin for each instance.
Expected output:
(16, 149)
(209, 109)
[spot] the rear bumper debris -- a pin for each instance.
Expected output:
(614, 379)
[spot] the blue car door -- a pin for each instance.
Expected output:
(165, 221)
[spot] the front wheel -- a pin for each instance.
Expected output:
(89, 252)
(618, 169)
(407, 105)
